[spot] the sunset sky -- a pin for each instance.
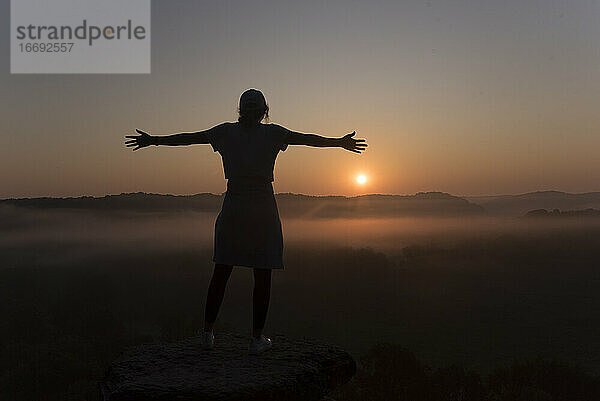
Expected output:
(466, 97)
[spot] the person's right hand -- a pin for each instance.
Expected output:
(139, 141)
(353, 145)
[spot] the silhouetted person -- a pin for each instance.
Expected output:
(248, 229)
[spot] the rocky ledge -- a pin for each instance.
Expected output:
(291, 370)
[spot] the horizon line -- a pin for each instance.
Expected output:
(303, 194)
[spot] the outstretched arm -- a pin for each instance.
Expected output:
(347, 141)
(185, 138)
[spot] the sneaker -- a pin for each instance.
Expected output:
(207, 340)
(259, 344)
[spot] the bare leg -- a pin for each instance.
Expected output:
(261, 297)
(214, 298)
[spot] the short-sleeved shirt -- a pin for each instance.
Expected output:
(248, 152)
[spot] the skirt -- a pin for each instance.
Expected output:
(248, 230)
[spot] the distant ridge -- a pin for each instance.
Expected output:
(125, 201)
(518, 205)
(376, 205)
(290, 204)
(543, 213)
(330, 206)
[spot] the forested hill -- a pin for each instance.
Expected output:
(518, 205)
(290, 205)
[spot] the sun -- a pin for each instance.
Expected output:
(361, 179)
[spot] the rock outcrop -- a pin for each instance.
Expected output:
(292, 370)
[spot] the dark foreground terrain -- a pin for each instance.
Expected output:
(432, 308)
